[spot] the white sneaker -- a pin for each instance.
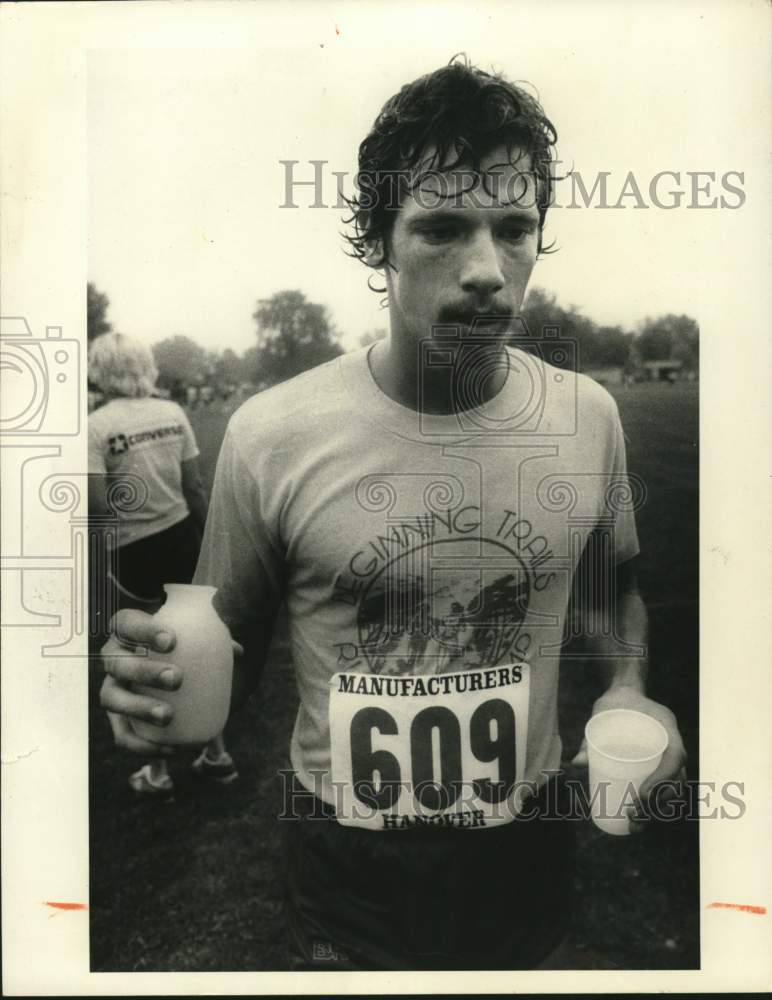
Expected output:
(222, 769)
(142, 783)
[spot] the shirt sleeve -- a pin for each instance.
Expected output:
(96, 457)
(239, 553)
(189, 443)
(623, 497)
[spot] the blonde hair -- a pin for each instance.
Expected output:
(121, 366)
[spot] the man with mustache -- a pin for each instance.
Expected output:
(401, 500)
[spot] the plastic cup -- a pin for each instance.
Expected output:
(624, 748)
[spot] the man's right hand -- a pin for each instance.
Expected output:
(127, 657)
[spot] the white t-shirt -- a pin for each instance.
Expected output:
(416, 551)
(149, 439)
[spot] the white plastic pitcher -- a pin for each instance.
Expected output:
(204, 655)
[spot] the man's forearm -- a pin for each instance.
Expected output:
(613, 655)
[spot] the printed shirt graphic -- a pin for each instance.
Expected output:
(147, 439)
(412, 547)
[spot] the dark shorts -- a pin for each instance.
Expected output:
(427, 898)
(142, 568)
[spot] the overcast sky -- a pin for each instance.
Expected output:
(186, 228)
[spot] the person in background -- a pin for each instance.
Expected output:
(135, 434)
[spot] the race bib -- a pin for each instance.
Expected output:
(441, 750)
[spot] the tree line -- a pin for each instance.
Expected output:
(294, 334)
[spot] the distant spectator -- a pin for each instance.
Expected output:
(140, 435)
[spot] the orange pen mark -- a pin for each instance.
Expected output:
(67, 906)
(337, 30)
(743, 907)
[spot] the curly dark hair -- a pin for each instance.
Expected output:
(461, 113)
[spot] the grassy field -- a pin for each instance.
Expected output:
(197, 885)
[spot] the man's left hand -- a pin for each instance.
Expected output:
(672, 767)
